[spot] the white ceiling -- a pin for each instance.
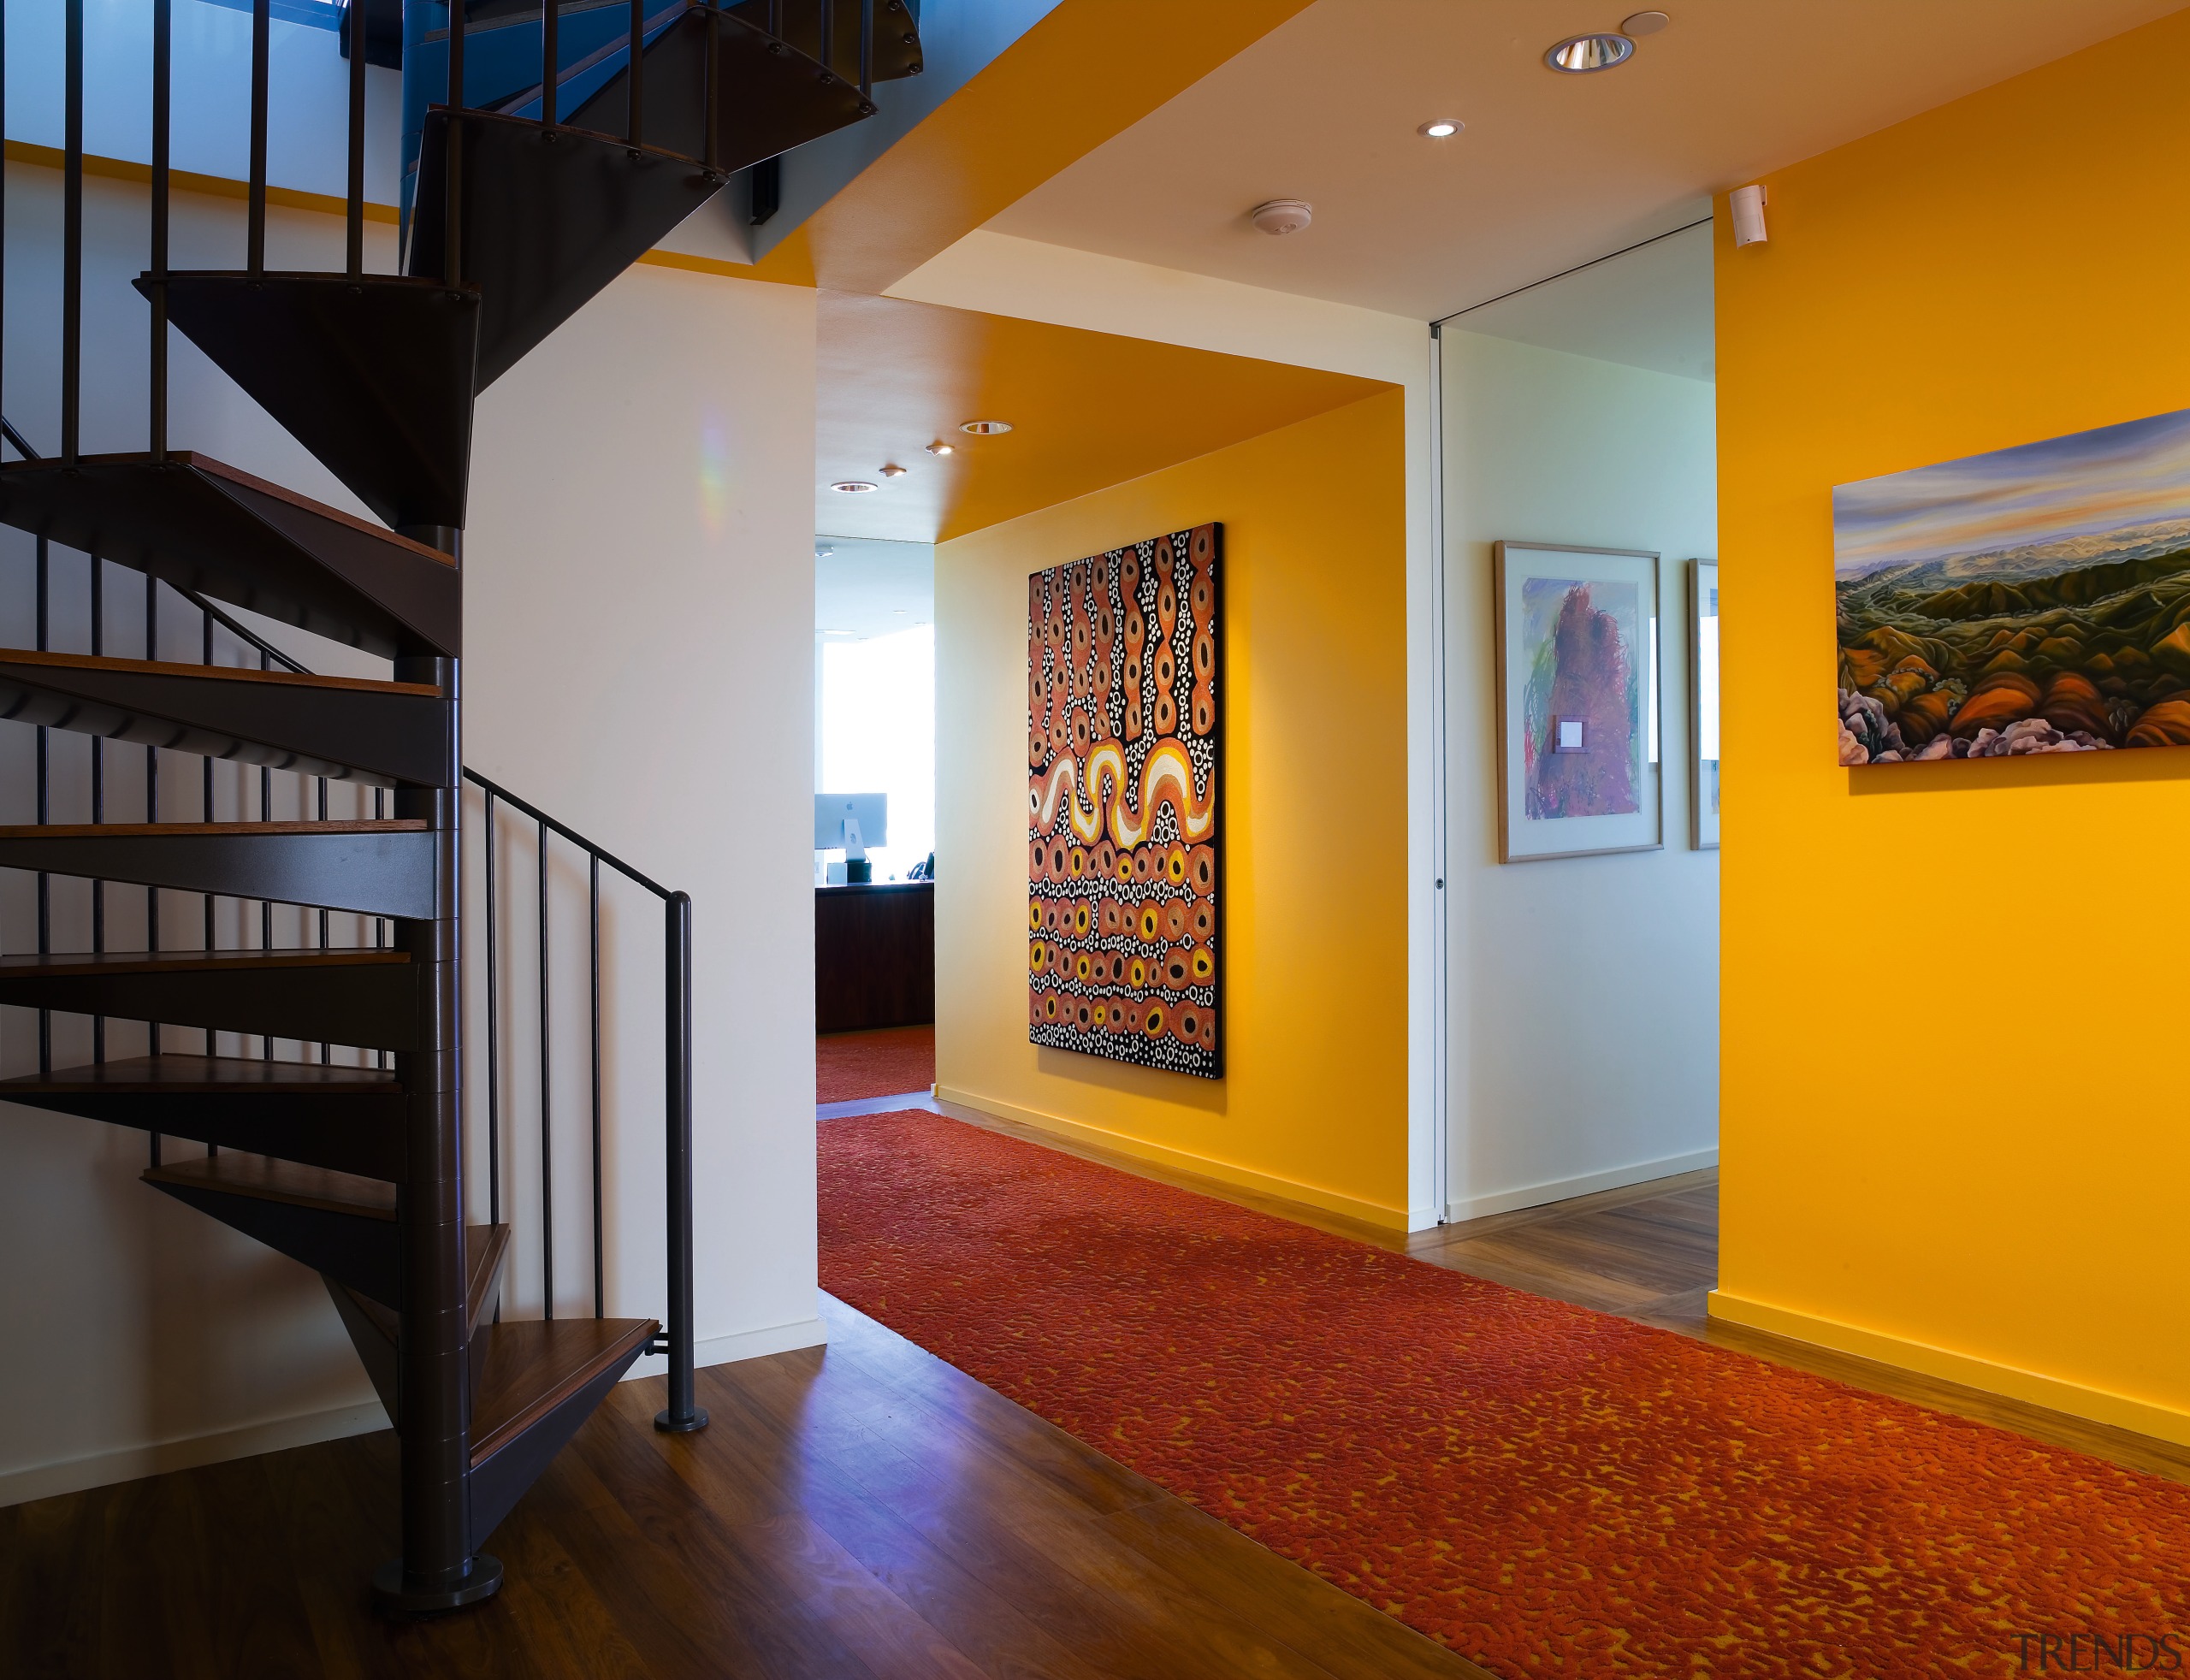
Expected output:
(1649, 308)
(863, 588)
(1552, 170)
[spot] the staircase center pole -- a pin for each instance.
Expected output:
(438, 1569)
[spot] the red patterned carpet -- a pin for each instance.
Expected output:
(1546, 1489)
(850, 1067)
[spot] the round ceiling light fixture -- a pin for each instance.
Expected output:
(939, 448)
(893, 470)
(1581, 55)
(1644, 23)
(986, 427)
(1282, 215)
(853, 487)
(1438, 127)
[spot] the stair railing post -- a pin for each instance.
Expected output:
(551, 54)
(681, 1416)
(353, 203)
(635, 112)
(710, 147)
(453, 179)
(260, 57)
(163, 87)
(71, 236)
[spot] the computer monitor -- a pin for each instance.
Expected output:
(869, 814)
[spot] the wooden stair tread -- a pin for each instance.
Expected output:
(268, 1179)
(203, 1075)
(182, 962)
(533, 1366)
(282, 493)
(154, 830)
(191, 460)
(486, 1247)
(225, 673)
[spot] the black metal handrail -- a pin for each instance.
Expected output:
(682, 1414)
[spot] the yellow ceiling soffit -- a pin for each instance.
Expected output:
(1088, 70)
(1089, 410)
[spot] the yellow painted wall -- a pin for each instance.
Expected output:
(1313, 1105)
(1955, 1127)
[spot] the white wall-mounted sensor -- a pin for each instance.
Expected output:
(1747, 204)
(1282, 215)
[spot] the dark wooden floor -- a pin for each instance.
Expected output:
(1650, 1252)
(862, 1511)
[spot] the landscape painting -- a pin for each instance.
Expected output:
(1577, 640)
(1124, 744)
(2035, 599)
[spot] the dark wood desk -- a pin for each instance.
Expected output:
(873, 955)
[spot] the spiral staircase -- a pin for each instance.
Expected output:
(584, 134)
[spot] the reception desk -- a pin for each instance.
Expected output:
(873, 955)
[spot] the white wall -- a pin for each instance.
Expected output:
(1583, 991)
(308, 89)
(639, 645)
(640, 623)
(162, 1338)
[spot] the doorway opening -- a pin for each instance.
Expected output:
(874, 820)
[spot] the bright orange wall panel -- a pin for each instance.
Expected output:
(1954, 1120)
(1313, 1103)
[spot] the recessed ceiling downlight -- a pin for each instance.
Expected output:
(853, 487)
(986, 427)
(1438, 128)
(1580, 55)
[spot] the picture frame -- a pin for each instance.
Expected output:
(2028, 599)
(1125, 740)
(1703, 704)
(1579, 770)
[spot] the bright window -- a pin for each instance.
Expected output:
(878, 736)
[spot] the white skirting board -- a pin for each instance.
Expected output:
(743, 1345)
(1587, 1184)
(128, 1463)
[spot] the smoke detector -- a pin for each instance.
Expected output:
(1282, 215)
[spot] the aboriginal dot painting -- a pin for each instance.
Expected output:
(1122, 838)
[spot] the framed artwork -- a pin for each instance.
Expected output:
(1703, 702)
(1578, 701)
(2035, 599)
(1124, 752)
